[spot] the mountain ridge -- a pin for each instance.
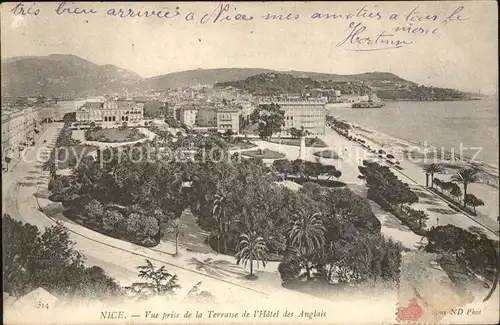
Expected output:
(70, 75)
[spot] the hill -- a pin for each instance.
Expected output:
(62, 75)
(386, 85)
(71, 76)
(279, 83)
(368, 76)
(196, 77)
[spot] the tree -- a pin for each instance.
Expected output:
(419, 216)
(93, 211)
(307, 233)
(251, 247)
(177, 228)
(228, 135)
(113, 220)
(283, 166)
(159, 282)
(294, 132)
(432, 169)
(475, 252)
(330, 171)
(144, 226)
(271, 119)
(297, 133)
(436, 181)
(32, 259)
(456, 191)
(473, 201)
(299, 167)
(465, 176)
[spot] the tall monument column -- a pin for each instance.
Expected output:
(302, 150)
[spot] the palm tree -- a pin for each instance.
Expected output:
(307, 233)
(218, 212)
(251, 247)
(465, 176)
(176, 228)
(431, 170)
(159, 281)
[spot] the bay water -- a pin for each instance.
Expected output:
(442, 124)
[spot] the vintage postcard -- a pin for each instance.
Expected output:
(250, 162)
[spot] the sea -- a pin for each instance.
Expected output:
(442, 124)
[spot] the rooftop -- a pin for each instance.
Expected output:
(302, 101)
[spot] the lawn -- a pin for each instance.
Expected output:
(264, 154)
(114, 135)
(329, 154)
(242, 145)
(310, 142)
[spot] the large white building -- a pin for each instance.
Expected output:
(302, 113)
(110, 111)
(20, 129)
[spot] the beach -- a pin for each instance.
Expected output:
(413, 156)
(472, 125)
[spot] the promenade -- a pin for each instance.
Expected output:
(411, 173)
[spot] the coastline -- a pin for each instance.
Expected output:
(383, 139)
(431, 100)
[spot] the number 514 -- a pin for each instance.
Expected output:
(42, 305)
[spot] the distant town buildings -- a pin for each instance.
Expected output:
(209, 109)
(121, 110)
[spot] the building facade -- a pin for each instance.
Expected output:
(228, 119)
(20, 129)
(207, 117)
(302, 113)
(187, 115)
(111, 111)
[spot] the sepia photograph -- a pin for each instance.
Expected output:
(250, 162)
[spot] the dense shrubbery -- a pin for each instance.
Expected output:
(383, 185)
(235, 198)
(32, 259)
(473, 251)
(340, 126)
(305, 170)
(392, 195)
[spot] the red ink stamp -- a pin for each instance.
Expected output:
(411, 312)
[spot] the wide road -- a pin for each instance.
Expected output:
(24, 198)
(439, 212)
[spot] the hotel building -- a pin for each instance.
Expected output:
(302, 113)
(111, 111)
(187, 115)
(20, 129)
(228, 119)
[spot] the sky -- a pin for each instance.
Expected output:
(445, 49)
